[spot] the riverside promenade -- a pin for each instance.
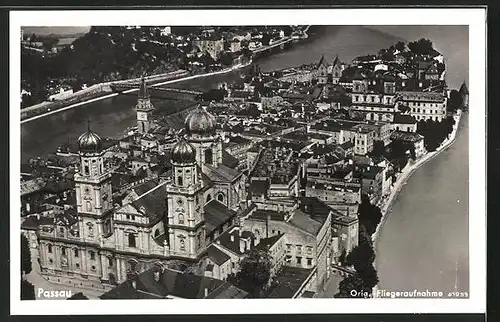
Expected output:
(386, 202)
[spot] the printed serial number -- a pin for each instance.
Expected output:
(458, 294)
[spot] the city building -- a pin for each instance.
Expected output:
(424, 105)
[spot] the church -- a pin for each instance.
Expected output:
(170, 220)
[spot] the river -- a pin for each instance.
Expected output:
(424, 241)
(427, 229)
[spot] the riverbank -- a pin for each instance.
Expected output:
(220, 72)
(403, 177)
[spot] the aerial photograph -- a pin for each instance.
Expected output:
(243, 162)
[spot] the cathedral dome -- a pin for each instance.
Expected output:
(89, 142)
(200, 122)
(183, 152)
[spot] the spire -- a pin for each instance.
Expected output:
(88, 125)
(336, 60)
(464, 89)
(322, 60)
(143, 90)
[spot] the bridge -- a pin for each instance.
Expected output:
(276, 44)
(159, 92)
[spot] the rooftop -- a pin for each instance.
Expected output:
(289, 282)
(216, 215)
(173, 283)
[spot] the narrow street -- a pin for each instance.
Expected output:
(331, 287)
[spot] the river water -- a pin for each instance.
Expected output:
(423, 243)
(427, 229)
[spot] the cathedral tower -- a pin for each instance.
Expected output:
(144, 108)
(93, 189)
(200, 128)
(186, 222)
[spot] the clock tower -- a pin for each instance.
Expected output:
(93, 189)
(186, 222)
(144, 108)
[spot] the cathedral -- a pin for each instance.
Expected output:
(171, 220)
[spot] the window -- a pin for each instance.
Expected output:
(63, 251)
(309, 250)
(181, 219)
(61, 231)
(299, 260)
(51, 261)
(233, 265)
(309, 261)
(220, 197)
(89, 206)
(76, 253)
(110, 262)
(132, 217)
(92, 255)
(179, 180)
(77, 265)
(93, 267)
(208, 156)
(182, 244)
(157, 232)
(86, 170)
(49, 248)
(131, 240)
(299, 249)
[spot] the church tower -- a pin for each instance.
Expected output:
(186, 222)
(144, 108)
(200, 128)
(464, 92)
(93, 189)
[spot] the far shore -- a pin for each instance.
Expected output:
(172, 81)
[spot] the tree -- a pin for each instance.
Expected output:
(421, 47)
(25, 255)
(350, 286)
(27, 290)
(48, 43)
(400, 45)
(455, 102)
(369, 216)
(78, 296)
(255, 271)
(361, 256)
(378, 148)
(369, 276)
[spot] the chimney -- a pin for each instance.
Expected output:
(206, 292)
(232, 238)
(134, 284)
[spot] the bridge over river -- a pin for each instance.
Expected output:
(159, 92)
